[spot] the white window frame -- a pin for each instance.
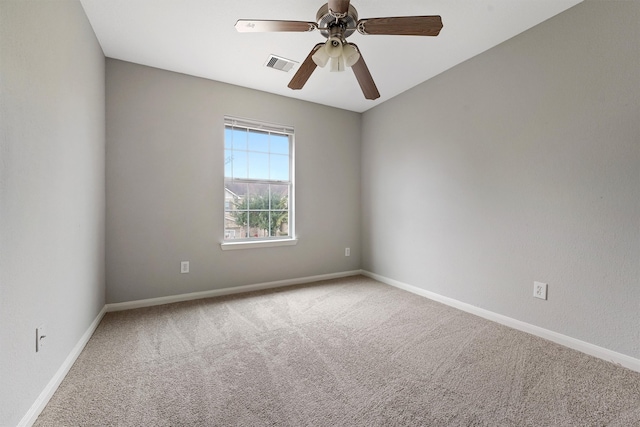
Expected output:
(263, 242)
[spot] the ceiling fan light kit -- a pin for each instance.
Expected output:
(350, 54)
(337, 20)
(337, 64)
(340, 54)
(321, 57)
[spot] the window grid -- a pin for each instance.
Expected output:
(257, 195)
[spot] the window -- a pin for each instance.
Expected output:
(258, 182)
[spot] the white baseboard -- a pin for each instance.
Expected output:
(582, 346)
(44, 397)
(225, 291)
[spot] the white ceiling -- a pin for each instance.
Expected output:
(197, 37)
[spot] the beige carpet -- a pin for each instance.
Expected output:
(348, 352)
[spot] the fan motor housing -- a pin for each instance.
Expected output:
(325, 21)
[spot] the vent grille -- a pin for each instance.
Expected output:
(279, 63)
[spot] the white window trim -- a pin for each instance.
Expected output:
(230, 245)
(258, 125)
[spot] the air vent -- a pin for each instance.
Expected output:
(279, 63)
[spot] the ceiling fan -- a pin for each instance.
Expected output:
(336, 21)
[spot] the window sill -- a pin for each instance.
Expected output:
(232, 246)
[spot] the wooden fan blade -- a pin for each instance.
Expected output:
(339, 6)
(306, 69)
(365, 80)
(253, 26)
(402, 26)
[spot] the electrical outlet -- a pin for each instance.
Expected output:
(40, 336)
(540, 290)
(347, 251)
(184, 267)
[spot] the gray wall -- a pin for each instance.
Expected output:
(165, 185)
(519, 165)
(52, 192)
